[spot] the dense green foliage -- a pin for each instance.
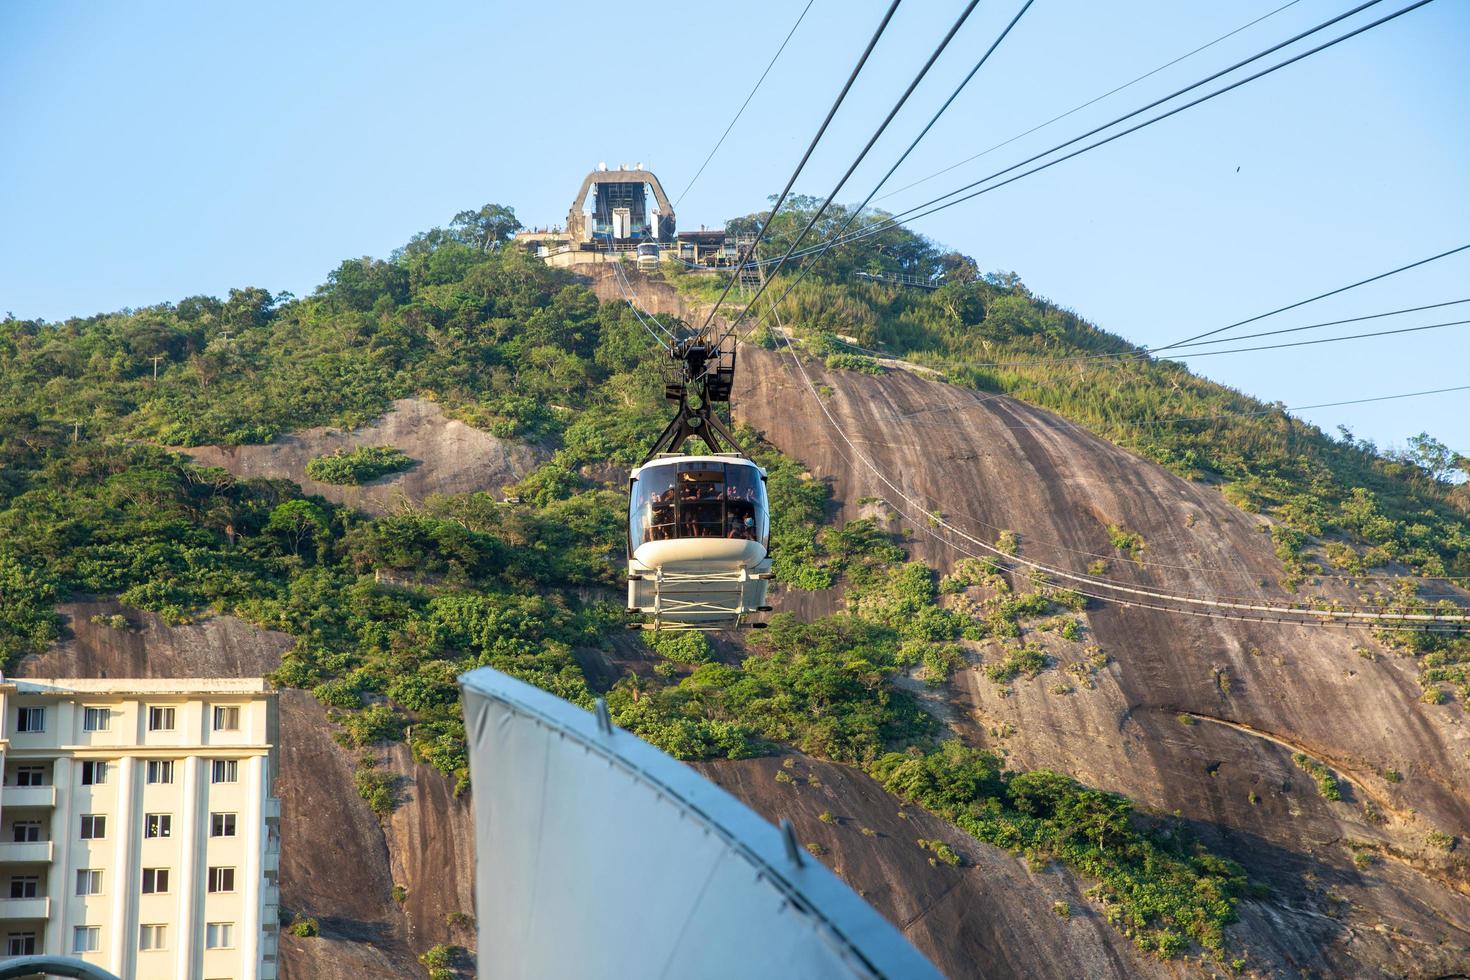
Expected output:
(359, 465)
(1157, 886)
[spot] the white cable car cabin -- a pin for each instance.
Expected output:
(698, 540)
(648, 256)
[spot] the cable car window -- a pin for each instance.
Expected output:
(654, 516)
(744, 502)
(701, 500)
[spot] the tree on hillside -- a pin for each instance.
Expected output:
(486, 228)
(1430, 455)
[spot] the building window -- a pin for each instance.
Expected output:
(94, 773)
(155, 881)
(24, 886)
(222, 825)
(158, 825)
(94, 826)
(221, 879)
(30, 775)
(26, 831)
(89, 881)
(20, 944)
(160, 770)
(219, 935)
(160, 719)
(152, 937)
(86, 939)
(96, 719)
(226, 718)
(30, 720)
(224, 771)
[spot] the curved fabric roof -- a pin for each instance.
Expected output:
(601, 857)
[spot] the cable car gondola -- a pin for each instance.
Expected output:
(648, 256)
(698, 525)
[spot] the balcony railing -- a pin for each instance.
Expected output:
(272, 865)
(15, 796)
(272, 809)
(27, 851)
(14, 909)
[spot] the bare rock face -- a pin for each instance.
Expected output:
(654, 297)
(988, 917)
(339, 863)
(1196, 715)
(451, 456)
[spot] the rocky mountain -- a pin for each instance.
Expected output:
(1328, 764)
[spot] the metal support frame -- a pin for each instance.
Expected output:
(706, 376)
(727, 602)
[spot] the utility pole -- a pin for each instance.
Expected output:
(225, 336)
(156, 358)
(76, 431)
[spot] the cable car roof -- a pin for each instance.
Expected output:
(665, 459)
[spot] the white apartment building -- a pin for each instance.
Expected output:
(137, 826)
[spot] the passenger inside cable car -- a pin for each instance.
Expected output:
(699, 499)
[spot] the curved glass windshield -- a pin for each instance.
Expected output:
(698, 499)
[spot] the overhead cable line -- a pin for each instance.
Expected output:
(862, 154)
(899, 162)
(916, 212)
(1091, 102)
(1177, 419)
(739, 112)
(781, 198)
(1310, 326)
(1127, 356)
(1147, 352)
(1127, 592)
(1322, 340)
(1333, 292)
(631, 299)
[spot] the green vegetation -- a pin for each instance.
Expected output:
(378, 788)
(358, 466)
(942, 852)
(304, 926)
(1326, 779)
(1153, 884)
(441, 959)
(521, 350)
(1128, 542)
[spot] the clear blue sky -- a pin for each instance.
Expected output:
(159, 150)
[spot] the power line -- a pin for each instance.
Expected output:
(862, 154)
(899, 162)
(739, 112)
(1325, 340)
(631, 299)
(1333, 292)
(1175, 419)
(917, 211)
(1091, 102)
(1311, 326)
(1145, 353)
(781, 198)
